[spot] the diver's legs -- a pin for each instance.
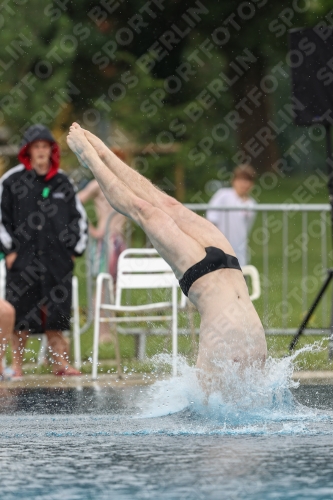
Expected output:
(179, 249)
(189, 222)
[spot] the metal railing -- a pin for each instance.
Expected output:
(290, 286)
(292, 263)
(288, 258)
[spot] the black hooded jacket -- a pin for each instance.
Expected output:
(41, 220)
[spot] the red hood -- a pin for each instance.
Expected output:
(24, 158)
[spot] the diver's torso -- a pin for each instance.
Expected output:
(230, 326)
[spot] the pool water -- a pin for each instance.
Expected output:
(165, 442)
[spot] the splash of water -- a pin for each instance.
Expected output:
(256, 395)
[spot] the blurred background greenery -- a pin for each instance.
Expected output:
(85, 61)
(98, 63)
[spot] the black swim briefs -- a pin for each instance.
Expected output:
(215, 259)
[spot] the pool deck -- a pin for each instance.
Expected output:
(52, 381)
(113, 381)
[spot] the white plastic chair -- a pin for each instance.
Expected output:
(75, 320)
(146, 272)
(253, 273)
(137, 269)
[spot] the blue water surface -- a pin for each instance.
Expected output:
(165, 442)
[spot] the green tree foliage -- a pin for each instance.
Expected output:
(35, 67)
(124, 63)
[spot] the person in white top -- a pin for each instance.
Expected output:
(104, 211)
(108, 221)
(235, 225)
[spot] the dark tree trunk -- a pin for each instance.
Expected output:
(261, 150)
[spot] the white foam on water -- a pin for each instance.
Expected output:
(235, 399)
(254, 402)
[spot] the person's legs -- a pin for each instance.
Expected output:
(19, 340)
(7, 320)
(179, 249)
(189, 222)
(117, 246)
(58, 348)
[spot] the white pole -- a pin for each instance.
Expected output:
(99, 286)
(174, 329)
(76, 323)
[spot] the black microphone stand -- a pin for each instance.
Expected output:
(329, 163)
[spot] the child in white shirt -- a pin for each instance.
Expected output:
(235, 224)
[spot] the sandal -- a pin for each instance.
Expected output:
(9, 374)
(67, 372)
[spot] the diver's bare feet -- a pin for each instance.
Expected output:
(101, 149)
(76, 139)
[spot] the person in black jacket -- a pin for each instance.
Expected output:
(43, 228)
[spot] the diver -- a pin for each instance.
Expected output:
(201, 257)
